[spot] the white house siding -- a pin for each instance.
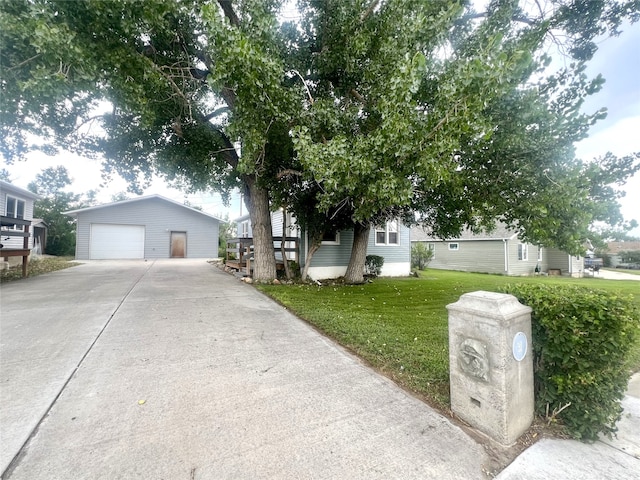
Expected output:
(29, 198)
(276, 223)
(522, 267)
(575, 266)
(160, 218)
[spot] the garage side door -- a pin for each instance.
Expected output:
(116, 241)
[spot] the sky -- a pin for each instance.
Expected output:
(617, 59)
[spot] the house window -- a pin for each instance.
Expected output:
(15, 209)
(523, 251)
(331, 238)
(388, 234)
(539, 254)
(432, 249)
(244, 227)
(454, 246)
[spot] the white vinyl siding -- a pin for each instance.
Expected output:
(22, 208)
(116, 241)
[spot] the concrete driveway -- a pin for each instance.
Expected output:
(613, 275)
(175, 370)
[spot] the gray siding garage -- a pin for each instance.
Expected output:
(145, 227)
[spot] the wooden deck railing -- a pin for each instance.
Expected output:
(7, 229)
(240, 252)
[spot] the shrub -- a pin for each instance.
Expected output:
(373, 265)
(581, 339)
(421, 255)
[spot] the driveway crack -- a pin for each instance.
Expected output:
(23, 449)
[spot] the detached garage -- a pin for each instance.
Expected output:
(145, 227)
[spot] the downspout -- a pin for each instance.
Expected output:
(506, 255)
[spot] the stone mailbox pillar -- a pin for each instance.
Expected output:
(490, 363)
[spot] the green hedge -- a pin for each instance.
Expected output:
(581, 338)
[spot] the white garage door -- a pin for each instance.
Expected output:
(116, 241)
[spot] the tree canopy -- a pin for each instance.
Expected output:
(358, 112)
(51, 184)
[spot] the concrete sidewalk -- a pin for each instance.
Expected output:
(615, 459)
(175, 370)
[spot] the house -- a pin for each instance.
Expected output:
(16, 208)
(390, 241)
(498, 252)
(144, 227)
(40, 232)
(615, 248)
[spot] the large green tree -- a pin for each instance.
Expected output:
(181, 81)
(431, 108)
(368, 109)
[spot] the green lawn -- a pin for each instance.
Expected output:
(399, 325)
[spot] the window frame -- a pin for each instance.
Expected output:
(451, 247)
(523, 252)
(17, 201)
(387, 231)
(336, 236)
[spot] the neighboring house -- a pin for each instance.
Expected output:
(40, 232)
(16, 204)
(614, 249)
(390, 241)
(144, 227)
(499, 252)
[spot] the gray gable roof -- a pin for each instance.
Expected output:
(422, 234)
(8, 188)
(74, 213)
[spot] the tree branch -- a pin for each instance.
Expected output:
(227, 8)
(305, 85)
(216, 112)
(516, 18)
(288, 171)
(369, 10)
(23, 63)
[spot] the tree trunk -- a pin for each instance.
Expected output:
(283, 246)
(257, 202)
(314, 246)
(355, 270)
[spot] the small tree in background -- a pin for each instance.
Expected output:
(226, 231)
(630, 256)
(50, 185)
(421, 255)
